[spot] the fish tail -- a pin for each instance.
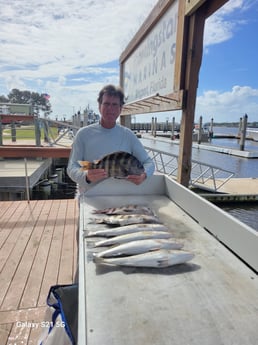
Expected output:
(85, 165)
(97, 259)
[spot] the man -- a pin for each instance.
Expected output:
(99, 139)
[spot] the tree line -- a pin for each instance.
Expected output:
(37, 100)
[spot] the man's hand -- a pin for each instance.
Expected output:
(137, 179)
(94, 175)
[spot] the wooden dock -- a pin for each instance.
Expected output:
(38, 249)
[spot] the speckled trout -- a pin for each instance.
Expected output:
(127, 219)
(139, 247)
(126, 209)
(140, 235)
(157, 259)
(126, 229)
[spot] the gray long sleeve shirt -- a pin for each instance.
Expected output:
(94, 141)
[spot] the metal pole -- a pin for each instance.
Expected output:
(27, 180)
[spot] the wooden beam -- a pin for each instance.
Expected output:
(11, 118)
(34, 152)
(194, 37)
(192, 5)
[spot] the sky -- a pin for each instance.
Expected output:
(70, 49)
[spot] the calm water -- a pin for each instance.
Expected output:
(242, 167)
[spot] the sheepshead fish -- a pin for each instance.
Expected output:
(126, 209)
(157, 259)
(139, 235)
(117, 164)
(127, 229)
(139, 247)
(126, 219)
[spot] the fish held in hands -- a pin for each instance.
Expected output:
(140, 235)
(117, 164)
(127, 219)
(126, 209)
(126, 229)
(139, 247)
(155, 259)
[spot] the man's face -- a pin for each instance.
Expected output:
(110, 109)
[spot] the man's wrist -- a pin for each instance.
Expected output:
(86, 178)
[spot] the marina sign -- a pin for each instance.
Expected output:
(148, 64)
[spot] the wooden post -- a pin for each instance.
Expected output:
(243, 133)
(173, 128)
(200, 131)
(211, 129)
(155, 127)
(194, 43)
(240, 127)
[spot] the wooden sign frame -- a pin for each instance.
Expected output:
(165, 14)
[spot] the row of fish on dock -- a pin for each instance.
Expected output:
(134, 236)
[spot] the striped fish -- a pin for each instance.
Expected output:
(117, 164)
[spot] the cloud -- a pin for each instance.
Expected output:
(228, 106)
(53, 46)
(70, 48)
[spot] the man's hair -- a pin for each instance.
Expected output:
(111, 90)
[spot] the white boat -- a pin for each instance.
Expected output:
(253, 133)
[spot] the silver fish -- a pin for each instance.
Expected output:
(157, 259)
(126, 209)
(140, 235)
(126, 229)
(139, 247)
(117, 164)
(128, 219)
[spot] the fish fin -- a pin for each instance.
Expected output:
(85, 165)
(96, 220)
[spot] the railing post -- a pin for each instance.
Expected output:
(13, 131)
(1, 132)
(37, 131)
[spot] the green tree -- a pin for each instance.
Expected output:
(38, 101)
(3, 99)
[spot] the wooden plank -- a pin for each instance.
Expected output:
(18, 268)
(8, 223)
(57, 215)
(34, 152)
(68, 248)
(12, 118)
(13, 249)
(19, 335)
(4, 207)
(5, 330)
(56, 221)
(33, 284)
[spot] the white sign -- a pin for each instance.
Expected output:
(150, 68)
